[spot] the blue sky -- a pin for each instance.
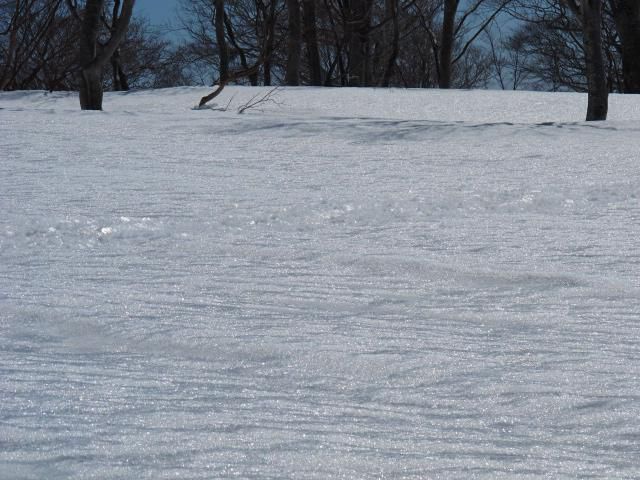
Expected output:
(158, 11)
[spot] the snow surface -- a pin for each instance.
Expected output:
(345, 284)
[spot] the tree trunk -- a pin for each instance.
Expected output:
(266, 73)
(292, 74)
(391, 37)
(356, 29)
(310, 35)
(91, 74)
(598, 93)
(93, 57)
(627, 18)
(269, 40)
(91, 91)
(223, 49)
(120, 80)
(253, 78)
(446, 42)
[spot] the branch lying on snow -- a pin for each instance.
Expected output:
(258, 99)
(231, 77)
(216, 107)
(211, 96)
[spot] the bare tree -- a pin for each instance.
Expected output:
(550, 42)
(310, 36)
(626, 14)
(29, 26)
(120, 80)
(231, 35)
(511, 61)
(148, 60)
(392, 39)
(345, 42)
(292, 75)
(454, 26)
(93, 55)
(446, 42)
(223, 50)
(356, 25)
(590, 14)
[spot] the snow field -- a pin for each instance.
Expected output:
(347, 284)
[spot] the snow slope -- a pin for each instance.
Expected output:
(346, 284)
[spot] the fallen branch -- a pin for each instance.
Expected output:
(259, 99)
(206, 99)
(216, 107)
(231, 77)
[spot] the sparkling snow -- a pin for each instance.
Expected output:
(343, 284)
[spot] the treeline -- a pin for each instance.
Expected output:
(39, 48)
(582, 45)
(414, 43)
(509, 44)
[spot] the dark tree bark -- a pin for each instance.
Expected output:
(446, 42)
(590, 14)
(596, 72)
(626, 14)
(92, 56)
(340, 42)
(294, 40)
(269, 35)
(120, 81)
(91, 74)
(310, 36)
(357, 32)
(221, 41)
(231, 77)
(253, 79)
(392, 38)
(91, 91)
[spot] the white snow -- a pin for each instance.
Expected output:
(344, 284)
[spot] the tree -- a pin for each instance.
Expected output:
(30, 34)
(626, 14)
(453, 30)
(446, 42)
(340, 42)
(120, 80)
(549, 47)
(590, 14)
(39, 39)
(248, 37)
(574, 44)
(292, 75)
(358, 27)
(148, 60)
(93, 55)
(221, 41)
(310, 36)
(392, 39)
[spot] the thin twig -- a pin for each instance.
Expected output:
(257, 100)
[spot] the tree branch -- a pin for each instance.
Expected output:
(119, 32)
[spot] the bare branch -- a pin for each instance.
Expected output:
(259, 99)
(481, 29)
(73, 8)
